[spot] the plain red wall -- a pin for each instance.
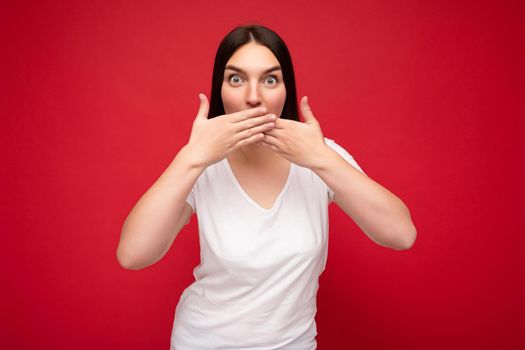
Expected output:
(98, 97)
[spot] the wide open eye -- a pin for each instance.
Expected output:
(234, 79)
(272, 79)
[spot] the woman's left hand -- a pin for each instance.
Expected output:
(301, 143)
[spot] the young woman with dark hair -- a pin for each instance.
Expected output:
(263, 36)
(260, 182)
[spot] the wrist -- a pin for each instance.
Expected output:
(324, 158)
(187, 155)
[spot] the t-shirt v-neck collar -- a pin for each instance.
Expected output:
(249, 199)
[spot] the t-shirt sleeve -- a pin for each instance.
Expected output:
(346, 156)
(191, 199)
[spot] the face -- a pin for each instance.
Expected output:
(253, 78)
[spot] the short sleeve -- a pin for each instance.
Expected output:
(346, 156)
(191, 199)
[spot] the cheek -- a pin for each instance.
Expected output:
(231, 99)
(275, 100)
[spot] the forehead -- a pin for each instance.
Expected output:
(253, 57)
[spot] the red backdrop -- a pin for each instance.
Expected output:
(99, 96)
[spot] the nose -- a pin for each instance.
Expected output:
(253, 96)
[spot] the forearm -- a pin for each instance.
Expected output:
(151, 223)
(379, 213)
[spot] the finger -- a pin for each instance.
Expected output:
(245, 114)
(253, 122)
(273, 132)
(252, 139)
(247, 133)
(204, 107)
(282, 123)
(270, 139)
(306, 111)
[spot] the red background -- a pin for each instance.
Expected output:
(99, 96)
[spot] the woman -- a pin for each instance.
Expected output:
(260, 182)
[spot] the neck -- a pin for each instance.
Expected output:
(254, 154)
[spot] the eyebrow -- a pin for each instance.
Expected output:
(232, 67)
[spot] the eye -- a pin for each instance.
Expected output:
(272, 79)
(236, 78)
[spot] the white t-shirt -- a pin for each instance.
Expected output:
(257, 282)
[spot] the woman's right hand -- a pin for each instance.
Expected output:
(212, 139)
